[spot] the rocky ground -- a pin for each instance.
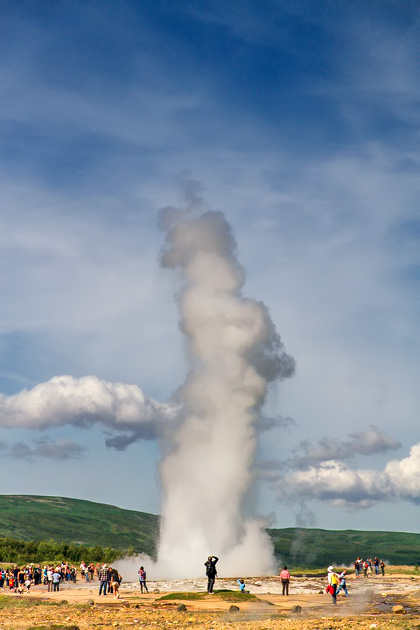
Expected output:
(374, 604)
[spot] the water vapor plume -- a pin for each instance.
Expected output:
(236, 352)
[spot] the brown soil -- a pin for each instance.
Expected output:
(370, 606)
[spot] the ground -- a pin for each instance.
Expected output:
(375, 603)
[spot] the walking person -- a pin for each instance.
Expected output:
(332, 584)
(285, 580)
(103, 579)
(211, 572)
(142, 580)
(342, 586)
(115, 583)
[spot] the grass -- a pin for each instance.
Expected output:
(20, 601)
(225, 595)
(34, 518)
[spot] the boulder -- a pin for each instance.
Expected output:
(398, 610)
(182, 608)
(234, 609)
(296, 609)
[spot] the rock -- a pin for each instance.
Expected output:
(320, 592)
(296, 609)
(90, 602)
(156, 590)
(182, 608)
(234, 609)
(398, 610)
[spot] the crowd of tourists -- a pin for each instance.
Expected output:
(20, 579)
(367, 567)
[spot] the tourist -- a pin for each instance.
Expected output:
(56, 576)
(332, 584)
(28, 583)
(241, 583)
(211, 572)
(115, 583)
(142, 580)
(103, 579)
(342, 583)
(376, 565)
(285, 580)
(382, 565)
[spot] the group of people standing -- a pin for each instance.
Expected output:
(109, 581)
(20, 579)
(368, 566)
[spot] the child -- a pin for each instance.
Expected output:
(241, 585)
(28, 583)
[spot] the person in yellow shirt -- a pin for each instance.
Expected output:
(332, 584)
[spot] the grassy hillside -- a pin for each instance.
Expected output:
(319, 547)
(85, 522)
(74, 520)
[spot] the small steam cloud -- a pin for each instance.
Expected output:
(235, 352)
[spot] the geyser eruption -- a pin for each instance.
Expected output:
(235, 353)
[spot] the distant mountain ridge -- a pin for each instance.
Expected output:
(28, 517)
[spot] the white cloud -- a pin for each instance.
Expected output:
(336, 483)
(83, 402)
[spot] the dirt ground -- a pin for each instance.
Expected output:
(376, 603)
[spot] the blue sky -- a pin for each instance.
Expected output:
(300, 120)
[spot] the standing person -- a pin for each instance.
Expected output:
(357, 566)
(342, 586)
(211, 572)
(382, 565)
(376, 565)
(56, 580)
(142, 580)
(332, 584)
(285, 580)
(49, 579)
(241, 583)
(103, 579)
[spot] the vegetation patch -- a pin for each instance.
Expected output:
(24, 602)
(225, 595)
(190, 596)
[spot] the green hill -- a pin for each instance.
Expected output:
(320, 547)
(85, 522)
(78, 521)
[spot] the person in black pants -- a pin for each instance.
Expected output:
(211, 572)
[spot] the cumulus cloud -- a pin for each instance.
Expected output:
(370, 442)
(336, 483)
(121, 409)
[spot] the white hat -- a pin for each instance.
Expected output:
(330, 569)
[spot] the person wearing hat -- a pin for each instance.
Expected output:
(332, 584)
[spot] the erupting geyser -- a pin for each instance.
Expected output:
(235, 353)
